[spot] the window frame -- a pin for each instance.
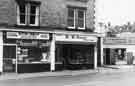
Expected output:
(18, 15)
(70, 27)
(27, 14)
(84, 16)
(76, 18)
(37, 15)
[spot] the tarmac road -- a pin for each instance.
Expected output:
(93, 79)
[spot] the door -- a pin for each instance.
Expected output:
(9, 58)
(107, 56)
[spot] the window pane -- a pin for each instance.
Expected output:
(70, 17)
(32, 19)
(70, 12)
(34, 14)
(71, 22)
(22, 9)
(81, 18)
(22, 19)
(80, 23)
(33, 10)
(80, 14)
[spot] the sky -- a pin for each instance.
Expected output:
(117, 12)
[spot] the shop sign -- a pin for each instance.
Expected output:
(115, 40)
(24, 35)
(75, 37)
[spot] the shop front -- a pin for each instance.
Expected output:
(119, 50)
(26, 52)
(115, 56)
(75, 51)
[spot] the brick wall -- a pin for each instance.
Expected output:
(52, 12)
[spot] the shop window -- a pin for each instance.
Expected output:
(32, 55)
(76, 18)
(28, 14)
(29, 51)
(77, 54)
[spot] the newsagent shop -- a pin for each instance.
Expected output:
(27, 52)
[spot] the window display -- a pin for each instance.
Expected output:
(44, 56)
(75, 54)
(32, 51)
(32, 55)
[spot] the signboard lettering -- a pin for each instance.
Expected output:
(75, 37)
(25, 35)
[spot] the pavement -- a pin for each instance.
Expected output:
(105, 69)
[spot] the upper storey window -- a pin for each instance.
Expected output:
(71, 18)
(76, 18)
(21, 15)
(28, 14)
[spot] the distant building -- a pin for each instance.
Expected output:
(47, 35)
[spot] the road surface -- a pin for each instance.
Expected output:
(95, 79)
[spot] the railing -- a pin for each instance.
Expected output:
(116, 40)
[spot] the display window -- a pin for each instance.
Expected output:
(75, 54)
(81, 55)
(120, 54)
(33, 53)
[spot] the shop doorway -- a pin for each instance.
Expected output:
(9, 58)
(114, 56)
(107, 58)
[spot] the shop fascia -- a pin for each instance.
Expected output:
(27, 35)
(76, 38)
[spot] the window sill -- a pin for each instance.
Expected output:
(33, 62)
(26, 26)
(71, 28)
(81, 28)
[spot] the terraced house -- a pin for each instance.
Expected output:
(47, 35)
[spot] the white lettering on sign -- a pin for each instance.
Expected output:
(13, 35)
(76, 37)
(28, 36)
(24, 35)
(43, 36)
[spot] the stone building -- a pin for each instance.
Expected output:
(48, 35)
